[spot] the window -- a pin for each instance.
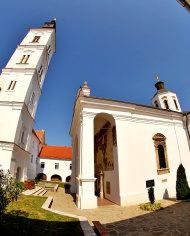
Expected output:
(36, 39)
(176, 106)
(32, 98)
(161, 153)
(70, 166)
(22, 137)
(156, 103)
(166, 104)
(49, 50)
(24, 59)
(31, 158)
(42, 164)
(57, 166)
(12, 85)
(40, 72)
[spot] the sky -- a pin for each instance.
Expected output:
(115, 45)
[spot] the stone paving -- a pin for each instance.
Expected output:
(174, 219)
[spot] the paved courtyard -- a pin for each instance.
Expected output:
(174, 219)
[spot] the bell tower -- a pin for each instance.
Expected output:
(21, 84)
(165, 99)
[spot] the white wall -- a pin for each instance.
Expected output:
(49, 170)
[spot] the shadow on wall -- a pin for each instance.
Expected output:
(166, 194)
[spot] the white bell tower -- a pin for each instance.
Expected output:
(164, 98)
(20, 88)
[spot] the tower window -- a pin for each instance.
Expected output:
(36, 39)
(176, 106)
(31, 158)
(161, 153)
(32, 98)
(40, 72)
(22, 137)
(166, 104)
(24, 59)
(12, 85)
(49, 50)
(156, 103)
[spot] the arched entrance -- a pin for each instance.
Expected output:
(105, 151)
(42, 176)
(68, 178)
(56, 178)
(18, 173)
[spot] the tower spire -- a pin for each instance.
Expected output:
(156, 76)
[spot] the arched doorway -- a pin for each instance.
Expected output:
(68, 179)
(18, 173)
(42, 176)
(105, 152)
(56, 178)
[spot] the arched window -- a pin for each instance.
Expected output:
(176, 106)
(161, 153)
(156, 103)
(166, 104)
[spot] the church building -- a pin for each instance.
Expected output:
(21, 84)
(120, 149)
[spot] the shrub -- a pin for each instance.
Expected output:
(150, 207)
(10, 188)
(151, 195)
(182, 187)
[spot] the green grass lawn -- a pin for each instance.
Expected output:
(26, 217)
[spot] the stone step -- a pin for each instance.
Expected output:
(31, 191)
(38, 192)
(43, 192)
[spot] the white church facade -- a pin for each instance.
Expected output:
(119, 149)
(21, 84)
(122, 148)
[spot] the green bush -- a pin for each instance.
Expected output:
(182, 187)
(151, 207)
(10, 189)
(151, 195)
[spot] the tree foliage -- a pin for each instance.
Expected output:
(182, 187)
(151, 195)
(10, 188)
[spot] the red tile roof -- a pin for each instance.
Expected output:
(56, 152)
(35, 133)
(40, 134)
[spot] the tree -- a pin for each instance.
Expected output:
(10, 188)
(151, 195)
(182, 187)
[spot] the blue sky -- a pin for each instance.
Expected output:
(114, 45)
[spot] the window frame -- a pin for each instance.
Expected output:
(12, 85)
(56, 166)
(36, 39)
(160, 140)
(42, 165)
(24, 59)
